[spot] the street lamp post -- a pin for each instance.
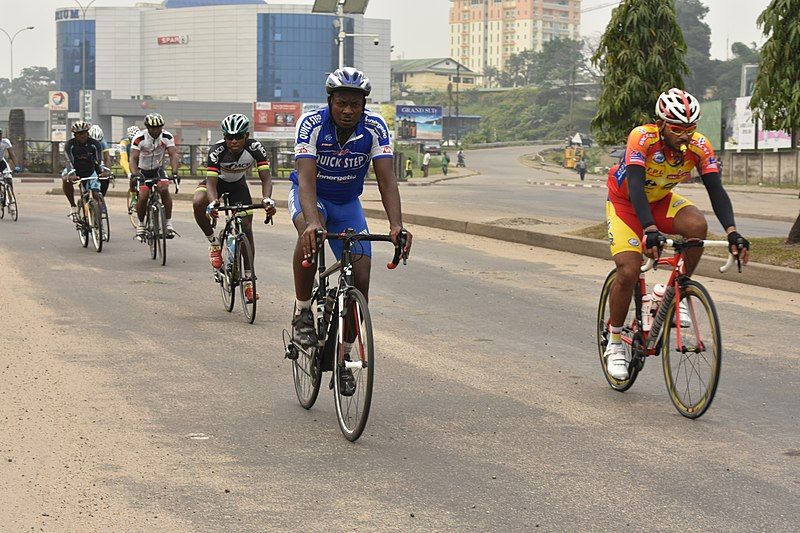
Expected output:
(342, 35)
(11, 46)
(83, 49)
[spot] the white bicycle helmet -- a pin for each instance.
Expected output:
(80, 126)
(348, 78)
(235, 124)
(153, 120)
(678, 107)
(96, 133)
(133, 131)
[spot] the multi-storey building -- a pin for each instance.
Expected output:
(485, 33)
(213, 51)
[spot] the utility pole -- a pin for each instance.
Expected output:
(83, 49)
(11, 47)
(458, 118)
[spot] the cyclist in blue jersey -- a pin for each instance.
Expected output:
(333, 151)
(96, 133)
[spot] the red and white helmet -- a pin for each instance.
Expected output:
(677, 107)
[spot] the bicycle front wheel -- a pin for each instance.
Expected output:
(692, 354)
(244, 256)
(151, 223)
(11, 202)
(82, 226)
(96, 225)
(352, 410)
(161, 235)
(2, 201)
(133, 198)
(306, 371)
(604, 335)
(104, 214)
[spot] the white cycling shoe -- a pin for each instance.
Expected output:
(617, 361)
(685, 316)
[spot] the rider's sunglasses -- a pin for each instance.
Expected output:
(231, 137)
(680, 130)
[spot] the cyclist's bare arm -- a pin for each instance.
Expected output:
(390, 196)
(307, 178)
(134, 161)
(174, 159)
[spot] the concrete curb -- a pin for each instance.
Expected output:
(772, 277)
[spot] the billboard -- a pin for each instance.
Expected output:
(772, 140)
(740, 129)
(58, 100)
(710, 123)
(418, 123)
(275, 120)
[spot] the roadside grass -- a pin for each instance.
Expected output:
(765, 250)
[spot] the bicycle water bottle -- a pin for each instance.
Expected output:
(658, 294)
(230, 245)
(647, 316)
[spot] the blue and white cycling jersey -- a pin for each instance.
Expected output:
(340, 169)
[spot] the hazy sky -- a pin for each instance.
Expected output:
(419, 27)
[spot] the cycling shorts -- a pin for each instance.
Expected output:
(336, 218)
(625, 232)
(238, 191)
(148, 178)
(93, 184)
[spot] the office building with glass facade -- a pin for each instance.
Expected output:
(214, 51)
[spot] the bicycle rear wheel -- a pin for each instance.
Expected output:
(353, 411)
(244, 254)
(693, 360)
(96, 225)
(306, 371)
(11, 201)
(604, 335)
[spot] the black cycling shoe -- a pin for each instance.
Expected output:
(347, 383)
(303, 331)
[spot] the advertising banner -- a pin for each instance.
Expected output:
(275, 120)
(308, 107)
(772, 140)
(740, 130)
(418, 123)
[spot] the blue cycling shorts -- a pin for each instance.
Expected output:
(337, 218)
(93, 184)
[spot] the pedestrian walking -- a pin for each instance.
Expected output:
(581, 168)
(409, 171)
(445, 162)
(426, 161)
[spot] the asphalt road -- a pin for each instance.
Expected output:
(503, 186)
(140, 403)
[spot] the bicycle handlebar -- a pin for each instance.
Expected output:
(239, 207)
(651, 264)
(321, 235)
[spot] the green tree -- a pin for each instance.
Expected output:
(640, 55)
(776, 99)
(697, 34)
(728, 73)
(30, 88)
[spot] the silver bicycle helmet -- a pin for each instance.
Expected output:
(677, 107)
(96, 133)
(133, 131)
(80, 126)
(348, 78)
(235, 124)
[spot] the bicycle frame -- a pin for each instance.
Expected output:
(651, 339)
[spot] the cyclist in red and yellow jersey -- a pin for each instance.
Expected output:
(641, 203)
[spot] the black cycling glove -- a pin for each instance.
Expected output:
(736, 239)
(654, 239)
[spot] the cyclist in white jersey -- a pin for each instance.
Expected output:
(5, 150)
(148, 151)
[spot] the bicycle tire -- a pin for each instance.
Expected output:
(132, 214)
(13, 208)
(104, 213)
(226, 282)
(96, 225)
(150, 230)
(352, 412)
(306, 372)
(161, 235)
(2, 201)
(243, 251)
(603, 334)
(676, 376)
(82, 226)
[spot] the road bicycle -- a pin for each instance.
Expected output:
(8, 200)
(155, 225)
(88, 218)
(679, 322)
(341, 313)
(237, 255)
(133, 199)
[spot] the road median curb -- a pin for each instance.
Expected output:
(768, 276)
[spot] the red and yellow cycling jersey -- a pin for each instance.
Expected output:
(664, 167)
